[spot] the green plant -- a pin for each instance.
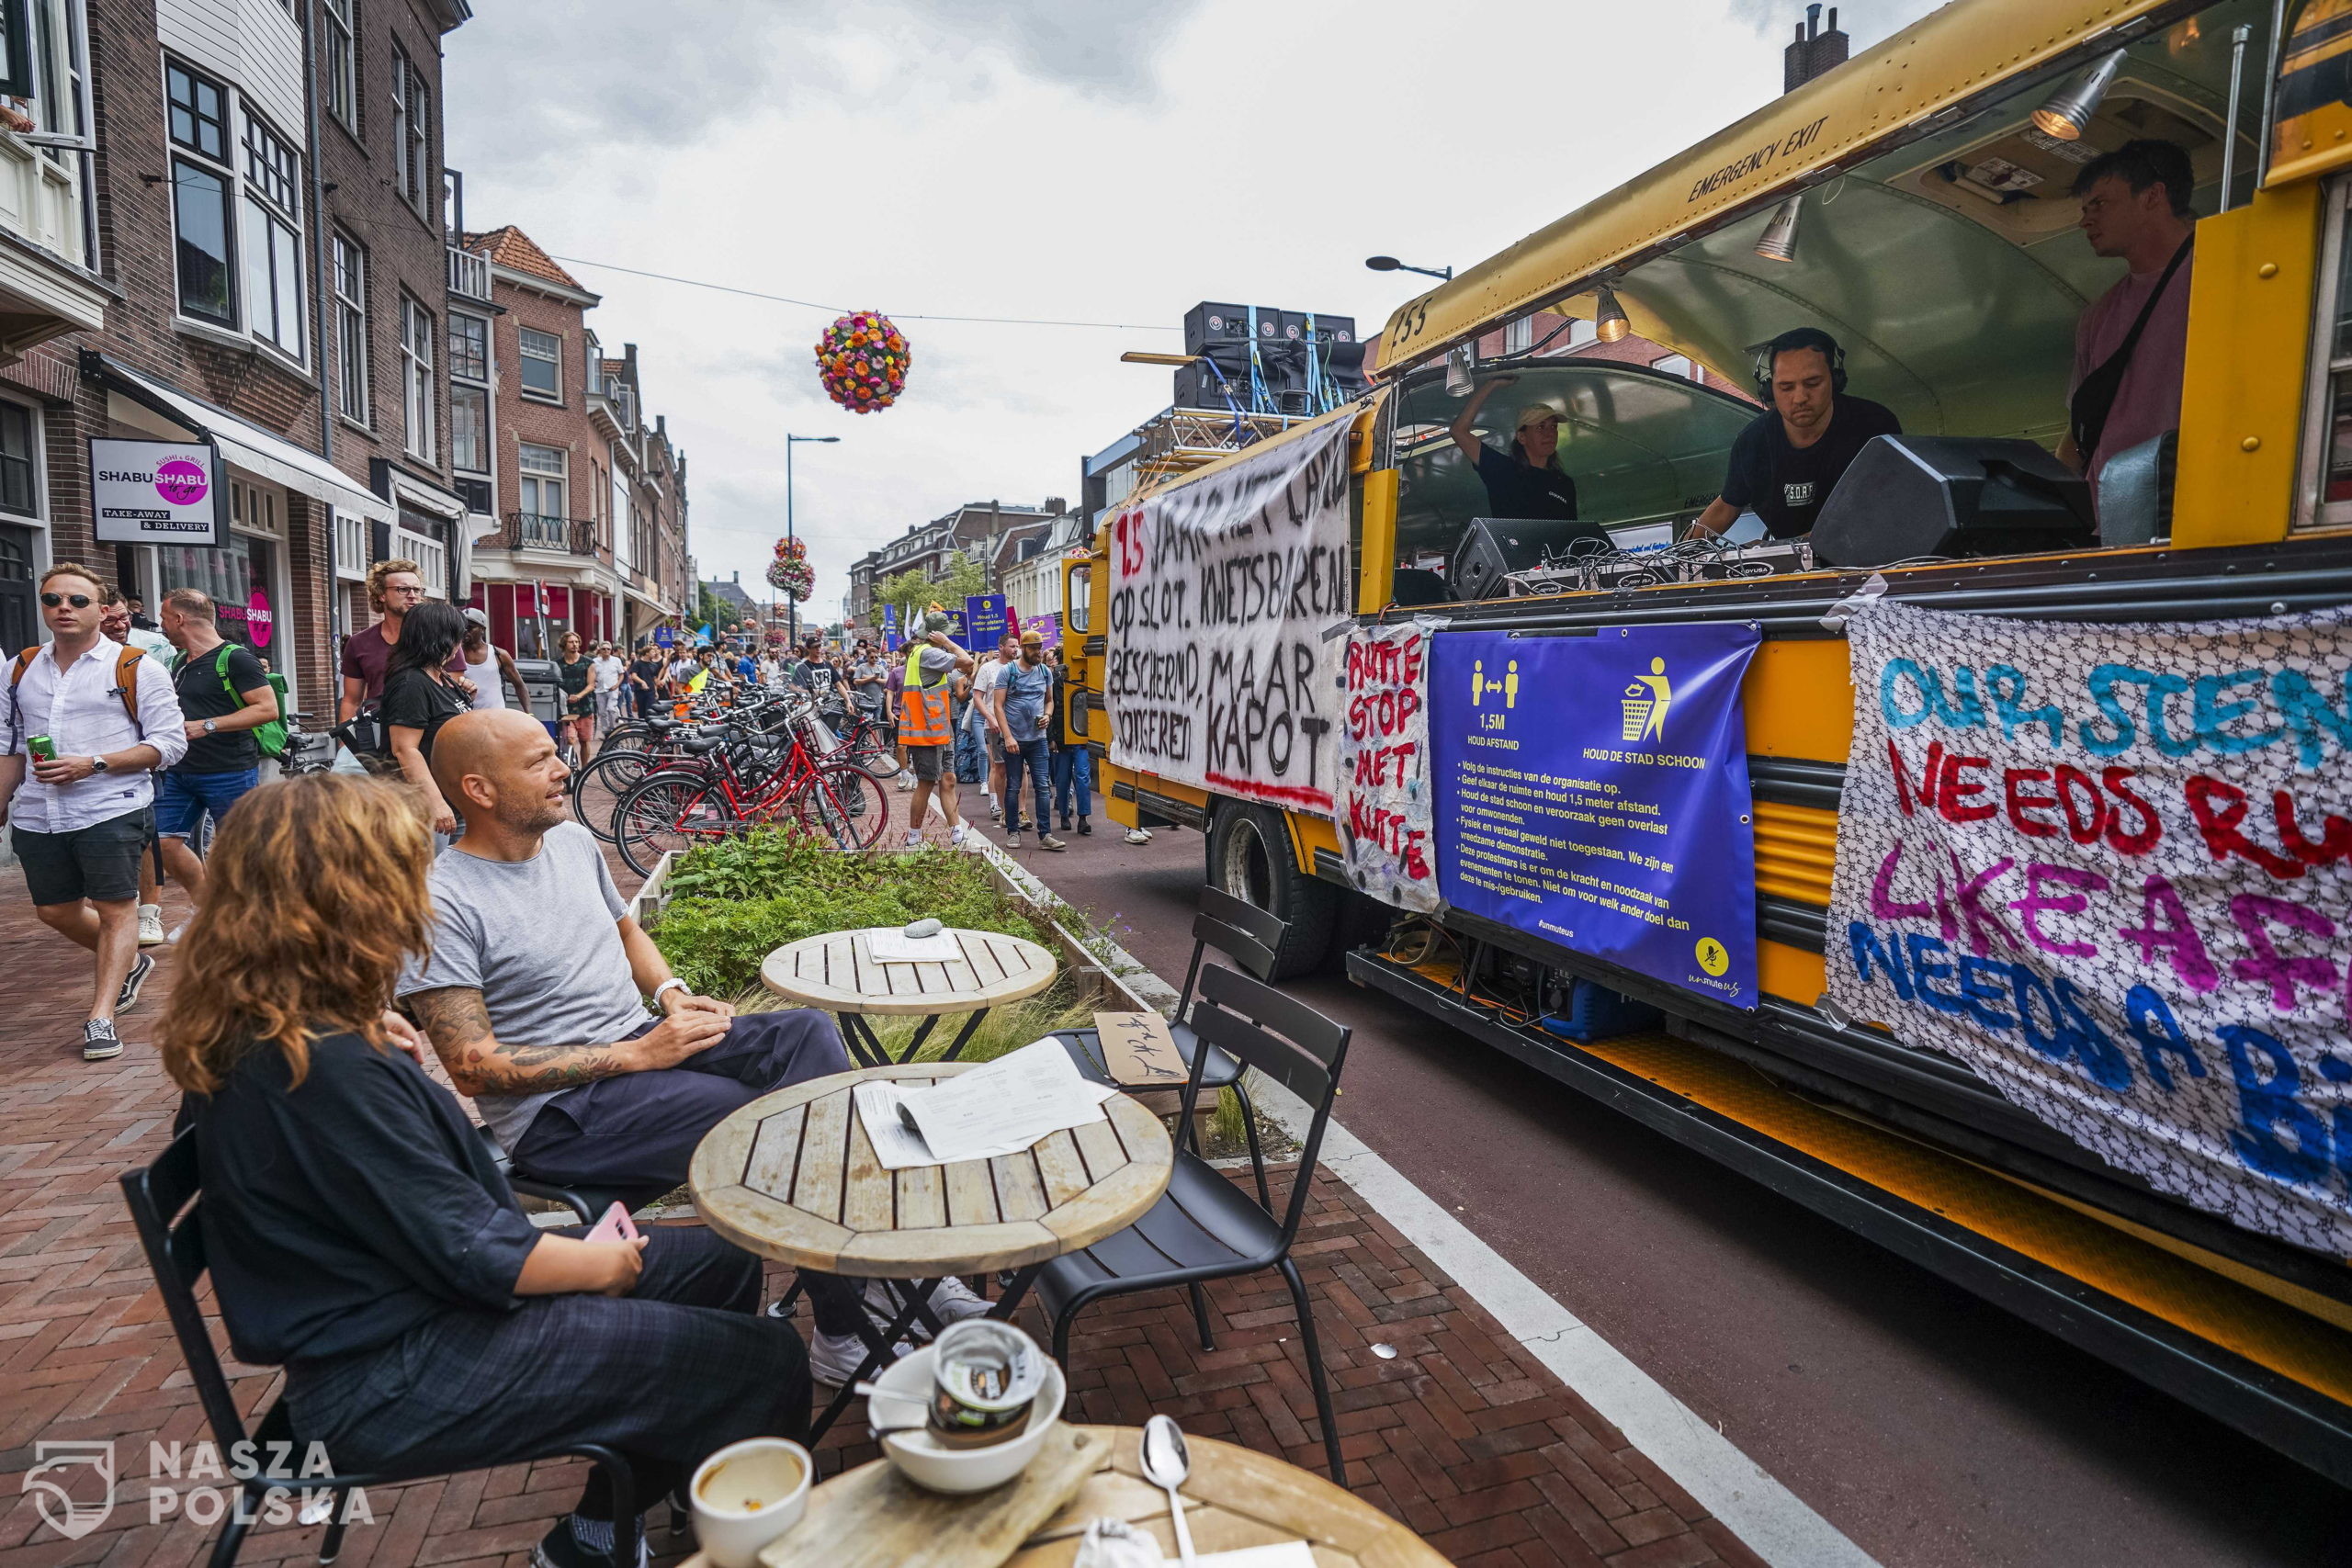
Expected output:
(734, 902)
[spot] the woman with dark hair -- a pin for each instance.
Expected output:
(358, 1232)
(421, 695)
(576, 673)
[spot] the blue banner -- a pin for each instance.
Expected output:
(984, 618)
(1593, 791)
(664, 637)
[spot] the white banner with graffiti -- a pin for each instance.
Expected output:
(1386, 833)
(2107, 867)
(1222, 591)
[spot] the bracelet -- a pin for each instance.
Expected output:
(664, 986)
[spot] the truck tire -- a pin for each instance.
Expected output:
(1249, 856)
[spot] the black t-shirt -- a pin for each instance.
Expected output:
(415, 700)
(203, 696)
(574, 674)
(1516, 488)
(340, 1215)
(651, 671)
(1786, 485)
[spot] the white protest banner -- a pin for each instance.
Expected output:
(1221, 591)
(1386, 837)
(2107, 867)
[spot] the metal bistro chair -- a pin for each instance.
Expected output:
(163, 1204)
(588, 1203)
(1203, 1227)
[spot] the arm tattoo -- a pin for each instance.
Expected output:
(457, 1022)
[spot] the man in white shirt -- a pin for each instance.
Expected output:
(607, 670)
(83, 819)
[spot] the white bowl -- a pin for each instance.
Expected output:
(903, 1393)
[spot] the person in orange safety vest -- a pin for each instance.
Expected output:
(933, 661)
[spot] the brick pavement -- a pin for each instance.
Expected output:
(1463, 1435)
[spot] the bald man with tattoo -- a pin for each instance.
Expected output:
(536, 997)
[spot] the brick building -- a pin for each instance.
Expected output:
(991, 532)
(254, 212)
(553, 442)
(590, 499)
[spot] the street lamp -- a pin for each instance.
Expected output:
(792, 611)
(1390, 264)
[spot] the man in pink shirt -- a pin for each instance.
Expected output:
(2130, 343)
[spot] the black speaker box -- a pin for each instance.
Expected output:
(1197, 387)
(1208, 322)
(1906, 496)
(1492, 548)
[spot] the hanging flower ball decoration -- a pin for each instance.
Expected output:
(790, 573)
(863, 360)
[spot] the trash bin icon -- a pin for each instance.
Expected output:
(1639, 701)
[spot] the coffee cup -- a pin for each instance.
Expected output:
(746, 1494)
(985, 1374)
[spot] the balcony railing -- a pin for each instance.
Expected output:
(533, 531)
(468, 274)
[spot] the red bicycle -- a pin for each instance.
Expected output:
(723, 786)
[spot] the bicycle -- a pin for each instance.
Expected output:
(867, 740)
(725, 786)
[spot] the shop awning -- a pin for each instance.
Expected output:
(245, 446)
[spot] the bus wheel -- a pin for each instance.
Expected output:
(1250, 857)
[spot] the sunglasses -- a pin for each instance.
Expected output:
(79, 601)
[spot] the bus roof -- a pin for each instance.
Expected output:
(1905, 89)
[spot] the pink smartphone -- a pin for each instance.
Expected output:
(614, 1226)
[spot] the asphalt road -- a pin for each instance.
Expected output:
(1932, 1429)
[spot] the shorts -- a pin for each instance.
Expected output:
(182, 799)
(928, 762)
(99, 863)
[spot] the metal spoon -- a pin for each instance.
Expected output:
(1166, 1465)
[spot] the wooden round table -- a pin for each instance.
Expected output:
(792, 1175)
(874, 1517)
(839, 973)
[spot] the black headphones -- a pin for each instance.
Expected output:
(1796, 338)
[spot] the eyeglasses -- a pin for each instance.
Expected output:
(395, 588)
(79, 601)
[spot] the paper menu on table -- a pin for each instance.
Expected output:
(886, 945)
(997, 1109)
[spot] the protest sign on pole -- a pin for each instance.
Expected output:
(2105, 865)
(1222, 590)
(984, 618)
(1387, 838)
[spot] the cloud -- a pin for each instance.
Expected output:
(547, 81)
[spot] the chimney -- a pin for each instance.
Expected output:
(1815, 50)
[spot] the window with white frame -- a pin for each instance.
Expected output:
(416, 378)
(542, 368)
(272, 237)
(412, 131)
(350, 544)
(1518, 333)
(469, 394)
(18, 491)
(1581, 331)
(1677, 365)
(544, 470)
(351, 390)
(201, 192)
(431, 558)
(343, 65)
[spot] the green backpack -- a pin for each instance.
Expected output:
(269, 737)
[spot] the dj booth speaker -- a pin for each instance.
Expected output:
(1906, 496)
(1492, 548)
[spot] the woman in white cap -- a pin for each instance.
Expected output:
(1527, 482)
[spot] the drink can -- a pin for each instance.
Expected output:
(986, 1376)
(42, 747)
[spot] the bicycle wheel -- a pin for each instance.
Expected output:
(612, 773)
(845, 806)
(668, 812)
(872, 752)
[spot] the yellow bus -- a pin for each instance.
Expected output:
(1937, 238)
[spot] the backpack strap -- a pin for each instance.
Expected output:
(126, 686)
(16, 678)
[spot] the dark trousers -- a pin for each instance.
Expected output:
(1074, 775)
(666, 1375)
(640, 1129)
(1033, 760)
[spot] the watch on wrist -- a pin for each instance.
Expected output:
(98, 765)
(210, 726)
(666, 985)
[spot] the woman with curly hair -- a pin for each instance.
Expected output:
(359, 1233)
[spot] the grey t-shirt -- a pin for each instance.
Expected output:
(524, 933)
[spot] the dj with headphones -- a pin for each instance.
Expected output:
(1784, 465)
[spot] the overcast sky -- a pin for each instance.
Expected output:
(1074, 160)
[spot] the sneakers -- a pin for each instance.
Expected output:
(99, 1042)
(151, 925)
(906, 782)
(915, 838)
(952, 1301)
(562, 1547)
(1048, 842)
(1085, 827)
(1013, 840)
(955, 839)
(996, 812)
(140, 967)
(1138, 835)
(835, 1359)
